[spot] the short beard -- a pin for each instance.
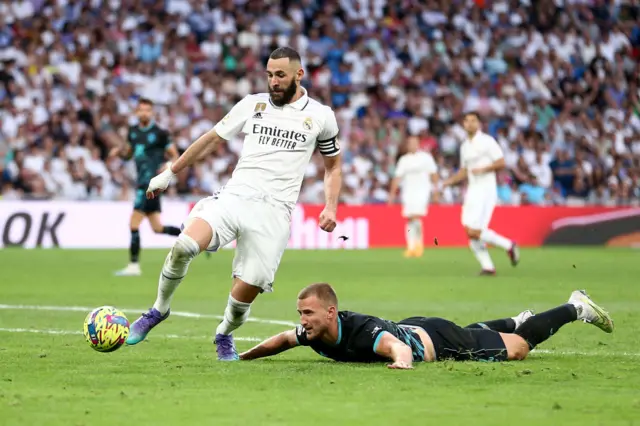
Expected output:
(287, 95)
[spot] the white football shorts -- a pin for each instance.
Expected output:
(261, 228)
(415, 204)
(477, 211)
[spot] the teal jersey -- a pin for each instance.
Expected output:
(148, 145)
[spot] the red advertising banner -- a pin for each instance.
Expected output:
(527, 225)
(89, 225)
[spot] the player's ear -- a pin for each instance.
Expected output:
(299, 74)
(331, 312)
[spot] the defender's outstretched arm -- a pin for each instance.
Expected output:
(272, 346)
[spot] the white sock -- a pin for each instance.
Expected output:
(235, 314)
(482, 254)
(492, 237)
(174, 270)
(417, 223)
(408, 232)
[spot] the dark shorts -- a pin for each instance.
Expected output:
(451, 341)
(146, 206)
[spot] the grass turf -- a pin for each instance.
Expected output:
(580, 376)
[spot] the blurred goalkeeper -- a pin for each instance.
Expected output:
(352, 337)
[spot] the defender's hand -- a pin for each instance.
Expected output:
(159, 183)
(327, 221)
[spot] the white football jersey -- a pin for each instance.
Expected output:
(481, 151)
(278, 143)
(414, 171)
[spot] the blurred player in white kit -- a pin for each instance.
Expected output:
(480, 158)
(282, 130)
(417, 175)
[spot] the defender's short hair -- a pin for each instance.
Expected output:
(322, 291)
(285, 52)
(145, 101)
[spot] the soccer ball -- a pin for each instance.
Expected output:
(106, 329)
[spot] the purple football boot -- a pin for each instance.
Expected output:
(225, 348)
(143, 325)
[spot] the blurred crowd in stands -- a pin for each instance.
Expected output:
(556, 82)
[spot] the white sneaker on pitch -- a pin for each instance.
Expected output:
(132, 270)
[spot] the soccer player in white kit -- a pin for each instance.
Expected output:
(480, 158)
(416, 174)
(282, 130)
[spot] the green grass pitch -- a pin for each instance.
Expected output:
(581, 376)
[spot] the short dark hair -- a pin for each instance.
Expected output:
(285, 52)
(322, 291)
(474, 113)
(145, 101)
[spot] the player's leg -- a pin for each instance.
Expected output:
(196, 237)
(205, 229)
(476, 215)
(158, 228)
(503, 325)
(264, 234)
(413, 235)
(137, 216)
(236, 313)
(540, 327)
(413, 210)
(489, 236)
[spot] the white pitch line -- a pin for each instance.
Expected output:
(77, 332)
(583, 353)
(130, 310)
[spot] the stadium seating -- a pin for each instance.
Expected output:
(557, 83)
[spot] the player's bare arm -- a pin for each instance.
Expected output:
(435, 179)
(393, 189)
(272, 346)
(332, 186)
(391, 347)
(209, 140)
(456, 178)
(493, 167)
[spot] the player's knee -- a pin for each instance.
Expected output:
(184, 248)
(201, 232)
(517, 347)
(158, 229)
(473, 234)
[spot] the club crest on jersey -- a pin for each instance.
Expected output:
(260, 106)
(307, 123)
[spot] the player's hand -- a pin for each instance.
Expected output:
(327, 220)
(400, 365)
(159, 183)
